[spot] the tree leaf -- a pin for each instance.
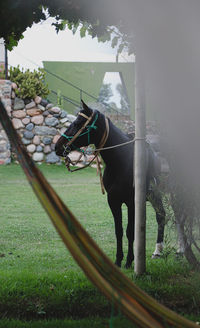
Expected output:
(83, 31)
(120, 48)
(114, 41)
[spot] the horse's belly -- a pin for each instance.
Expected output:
(120, 189)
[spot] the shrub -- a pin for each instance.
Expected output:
(30, 84)
(60, 99)
(2, 72)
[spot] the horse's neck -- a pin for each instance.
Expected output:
(115, 137)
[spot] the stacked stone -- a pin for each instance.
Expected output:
(5, 95)
(40, 124)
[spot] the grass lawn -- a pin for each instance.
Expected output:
(40, 283)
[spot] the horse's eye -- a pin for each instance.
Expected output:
(76, 124)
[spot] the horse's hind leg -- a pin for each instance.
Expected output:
(181, 240)
(117, 214)
(130, 236)
(155, 199)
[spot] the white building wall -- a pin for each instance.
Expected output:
(2, 51)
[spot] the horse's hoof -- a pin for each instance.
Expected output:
(117, 263)
(128, 265)
(129, 262)
(155, 256)
(179, 255)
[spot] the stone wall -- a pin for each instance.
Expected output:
(38, 122)
(39, 125)
(5, 95)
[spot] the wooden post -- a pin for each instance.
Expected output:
(139, 170)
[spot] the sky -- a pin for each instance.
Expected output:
(42, 43)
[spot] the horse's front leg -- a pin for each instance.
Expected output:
(117, 214)
(130, 235)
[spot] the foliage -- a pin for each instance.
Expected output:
(105, 93)
(18, 16)
(30, 84)
(2, 72)
(60, 99)
(183, 209)
(185, 204)
(125, 106)
(121, 40)
(88, 14)
(22, 14)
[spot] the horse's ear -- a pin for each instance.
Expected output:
(86, 108)
(84, 104)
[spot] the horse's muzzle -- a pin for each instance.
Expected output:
(66, 150)
(59, 150)
(63, 150)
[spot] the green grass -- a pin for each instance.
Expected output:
(39, 280)
(94, 322)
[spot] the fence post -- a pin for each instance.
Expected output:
(139, 170)
(81, 94)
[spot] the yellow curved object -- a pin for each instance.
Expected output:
(142, 309)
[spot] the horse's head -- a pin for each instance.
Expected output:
(79, 133)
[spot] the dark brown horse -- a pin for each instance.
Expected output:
(92, 127)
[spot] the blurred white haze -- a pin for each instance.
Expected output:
(167, 36)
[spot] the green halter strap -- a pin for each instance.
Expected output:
(89, 129)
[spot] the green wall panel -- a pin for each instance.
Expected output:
(87, 76)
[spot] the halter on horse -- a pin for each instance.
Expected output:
(116, 149)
